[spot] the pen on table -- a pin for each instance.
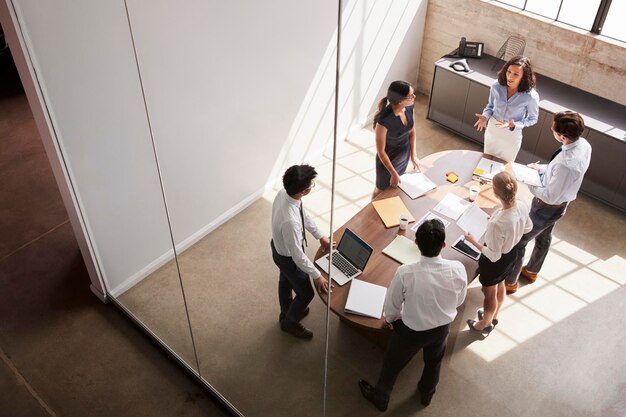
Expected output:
(490, 168)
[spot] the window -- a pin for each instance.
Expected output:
(597, 16)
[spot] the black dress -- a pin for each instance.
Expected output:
(397, 144)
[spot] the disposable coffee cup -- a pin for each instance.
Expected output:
(473, 192)
(404, 221)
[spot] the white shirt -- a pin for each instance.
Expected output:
(426, 294)
(563, 176)
(287, 231)
(505, 229)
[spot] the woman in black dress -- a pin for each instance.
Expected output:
(395, 136)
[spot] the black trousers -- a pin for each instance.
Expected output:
(403, 346)
(292, 278)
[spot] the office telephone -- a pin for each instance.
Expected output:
(470, 49)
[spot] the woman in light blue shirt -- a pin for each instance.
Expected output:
(513, 105)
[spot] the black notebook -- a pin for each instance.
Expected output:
(466, 248)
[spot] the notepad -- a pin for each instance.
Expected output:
(390, 209)
(365, 299)
(527, 175)
(487, 168)
(403, 250)
(415, 184)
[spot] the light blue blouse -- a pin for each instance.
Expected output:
(523, 108)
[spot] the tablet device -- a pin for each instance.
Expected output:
(466, 248)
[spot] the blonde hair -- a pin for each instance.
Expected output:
(505, 187)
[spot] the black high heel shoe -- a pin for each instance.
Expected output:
(480, 313)
(485, 332)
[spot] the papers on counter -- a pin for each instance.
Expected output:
(365, 299)
(452, 206)
(487, 169)
(527, 175)
(416, 184)
(428, 216)
(403, 250)
(474, 220)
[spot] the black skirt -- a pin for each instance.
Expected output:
(492, 273)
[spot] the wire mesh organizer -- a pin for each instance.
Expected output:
(513, 46)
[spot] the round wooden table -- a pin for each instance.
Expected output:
(368, 225)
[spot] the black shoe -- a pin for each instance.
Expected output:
(305, 313)
(296, 329)
(374, 396)
(481, 314)
(485, 332)
(425, 399)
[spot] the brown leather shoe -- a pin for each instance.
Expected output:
(531, 276)
(511, 288)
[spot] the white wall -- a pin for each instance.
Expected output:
(82, 55)
(235, 93)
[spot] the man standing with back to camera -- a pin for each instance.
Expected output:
(289, 221)
(420, 304)
(561, 179)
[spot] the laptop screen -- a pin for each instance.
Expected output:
(354, 249)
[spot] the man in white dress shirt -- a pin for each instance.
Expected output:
(289, 221)
(561, 179)
(421, 303)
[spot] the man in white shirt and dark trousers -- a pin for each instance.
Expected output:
(561, 179)
(289, 221)
(421, 303)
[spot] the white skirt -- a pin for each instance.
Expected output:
(502, 143)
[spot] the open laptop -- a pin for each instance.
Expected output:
(349, 259)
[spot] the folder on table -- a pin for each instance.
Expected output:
(390, 209)
(403, 250)
(365, 299)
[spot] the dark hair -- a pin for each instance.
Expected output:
(569, 124)
(298, 178)
(505, 186)
(528, 81)
(430, 237)
(397, 91)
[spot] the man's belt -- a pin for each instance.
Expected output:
(553, 206)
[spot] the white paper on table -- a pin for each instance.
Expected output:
(365, 299)
(488, 168)
(527, 175)
(452, 206)
(416, 184)
(474, 220)
(428, 216)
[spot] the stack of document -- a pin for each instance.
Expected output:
(452, 206)
(416, 184)
(474, 220)
(429, 216)
(527, 175)
(365, 299)
(487, 169)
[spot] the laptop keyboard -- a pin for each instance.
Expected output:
(344, 266)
